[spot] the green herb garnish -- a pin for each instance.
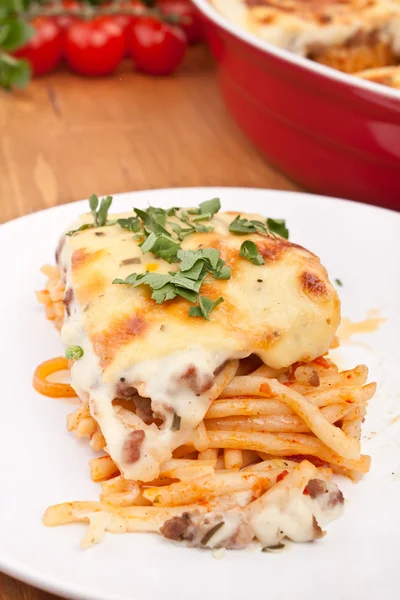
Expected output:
(241, 226)
(176, 422)
(81, 228)
(165, 287)
(274, 548)
(206, 210)
(74, 352)
(211, 533)
(194, 267)
(250, 251)
(278, 226)
(161, 245)
(339, 282)
(132, 224)
(99, 216)
(206, 306)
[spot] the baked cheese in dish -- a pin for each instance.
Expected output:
(283, 311)
(349, 35)
(389, 76)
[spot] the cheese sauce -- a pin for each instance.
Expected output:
(285, 311)
(302, 27)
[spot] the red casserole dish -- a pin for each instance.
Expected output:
(331, 132)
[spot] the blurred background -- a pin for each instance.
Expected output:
(81, 116)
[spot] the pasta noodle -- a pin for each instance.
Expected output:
(264, 453)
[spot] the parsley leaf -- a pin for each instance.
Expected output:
(99, 216)
(103, 211)
(206, 306)
(249, 251)
(154, 219)
(241, 226)
(210, 256)
(203, 228)
(185, 282)
(339, 282)
(132, 224)
(222, 271)
(161, 245)
(206, 210)
(278, 226)
(81, 228)
(210, 207)
(176, 422)
(164, 293)
(74, 352)
(93, 203)
(161, 285)
(197, 271)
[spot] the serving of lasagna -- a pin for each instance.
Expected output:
(348, 35)
(197, 344)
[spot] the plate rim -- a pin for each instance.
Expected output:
(76, 591)
(268, 191)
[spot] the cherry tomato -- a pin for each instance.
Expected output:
(157, 48)
(94, 47)
(125, 21)
(65, 21)
(190, 19)
(44, 50)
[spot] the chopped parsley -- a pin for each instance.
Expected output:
(195, 266)
(81, 228)
(99, 214)
(250, 251)
(241, 226)
(278, 226)
(274, 548)
(162, 245)
(132, 224)
(176, 422)
(339, 282)
(210, 533)
(206, 210)
(74, 352)
(206, 306)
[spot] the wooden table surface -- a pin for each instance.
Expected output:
(65, 138)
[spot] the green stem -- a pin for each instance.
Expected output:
(8, 59)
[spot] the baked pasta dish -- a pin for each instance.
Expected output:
(197, 342)
(389, 76)
(348, 35)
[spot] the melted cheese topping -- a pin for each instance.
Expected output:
(389, 76)
(284, 311)
(302, 25)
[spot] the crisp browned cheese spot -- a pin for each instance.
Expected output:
(107, 343)
(312, 285)
(82, 258)
(91, 286)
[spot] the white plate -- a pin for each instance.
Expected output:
(41, 464)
